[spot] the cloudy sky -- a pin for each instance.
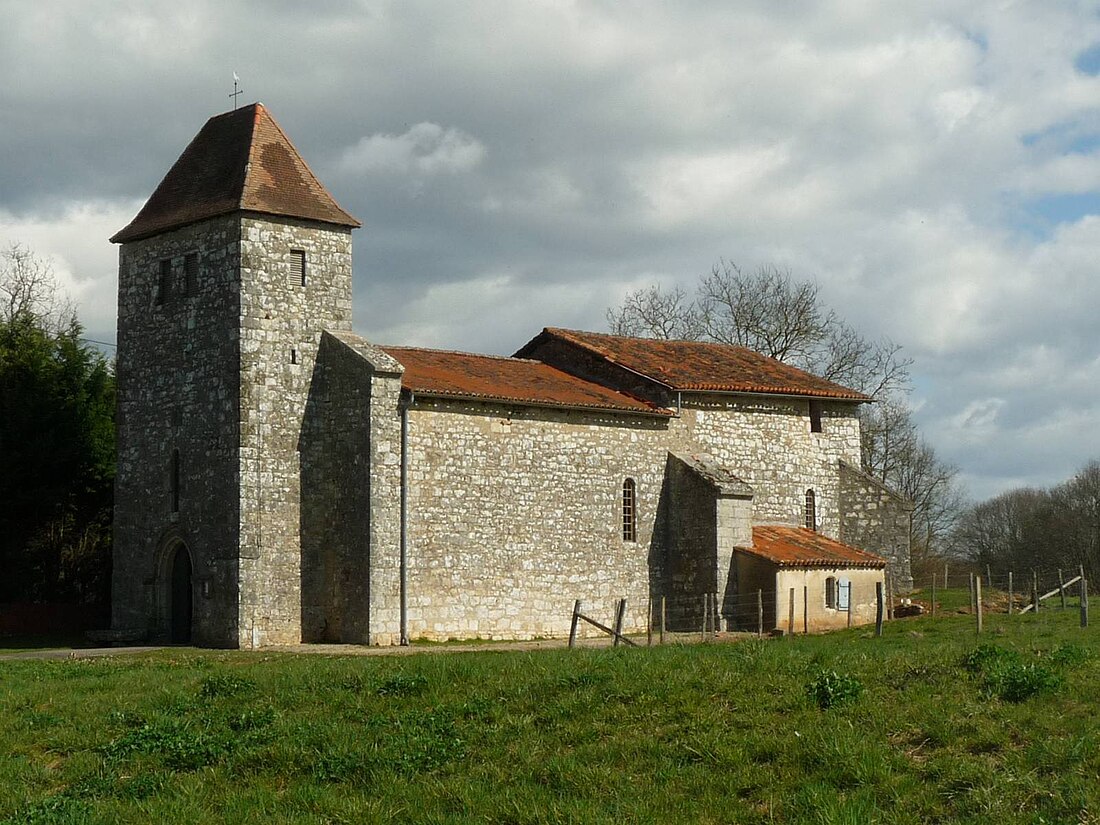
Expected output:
(934, 166)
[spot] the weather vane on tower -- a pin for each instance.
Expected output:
(236, 91)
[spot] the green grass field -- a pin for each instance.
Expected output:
(927, 724)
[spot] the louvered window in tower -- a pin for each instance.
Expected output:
(297, 267)
(811, 510)
(164, 282)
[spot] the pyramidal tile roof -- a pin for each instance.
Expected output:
(464, 375)
(697, 365)
(239, 161)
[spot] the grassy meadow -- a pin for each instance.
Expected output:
(927, 724)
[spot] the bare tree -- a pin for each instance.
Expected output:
(29, 289)
(653, 313)
(769, 311)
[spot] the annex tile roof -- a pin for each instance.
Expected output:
(799, 547)
(440, 373)
(240, 160)
(700, 366)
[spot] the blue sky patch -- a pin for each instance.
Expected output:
(1088, 61)
(1045, 213)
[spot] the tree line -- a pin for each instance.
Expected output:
(57, 443)
(1029, 528)
(772, 312)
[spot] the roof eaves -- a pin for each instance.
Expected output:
(655, 412)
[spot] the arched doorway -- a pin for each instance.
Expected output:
(179, 596)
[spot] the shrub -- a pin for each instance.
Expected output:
(989, 658)
(401, 684)
(224, 685)
(831, 688)
(1016, 682)
(1069, 655)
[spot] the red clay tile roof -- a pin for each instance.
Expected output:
(701, 366)
(240, 160)
(799, 547)
(510, 380)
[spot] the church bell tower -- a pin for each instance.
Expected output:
(227, 277)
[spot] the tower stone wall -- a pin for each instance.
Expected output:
(215, 361)
(281, 321)
(178, 393)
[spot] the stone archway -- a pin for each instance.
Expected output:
(180, 591)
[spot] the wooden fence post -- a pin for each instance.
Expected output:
(1062, 588)
(945, 585)
(1035, 590)
(978, 599)
(971, 586)
(933, 595)
(878, 608)
(790, 614)
(759, 612)
(664, 619)
(619, 621)
(573, 626)
(1084, 601)
(1011, 596)
(703, 628)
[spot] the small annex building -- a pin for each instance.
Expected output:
(282, 479)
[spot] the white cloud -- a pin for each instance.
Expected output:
(425, 149)
(74, 242)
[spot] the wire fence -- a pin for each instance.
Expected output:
(687, 617)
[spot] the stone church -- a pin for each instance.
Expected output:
(281, 479)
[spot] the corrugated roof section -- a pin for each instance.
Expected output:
(240, 160)
(799, 547)
(702, 366)
(510, 380)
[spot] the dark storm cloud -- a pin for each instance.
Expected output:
(521, 165)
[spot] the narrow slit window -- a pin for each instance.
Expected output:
(815, 416)
(630, 511)
(164, 282)
(811, 510)
(293, 356)
(174, 481)
(297, 267)
(191, 273)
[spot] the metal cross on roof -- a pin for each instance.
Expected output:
(236, 91)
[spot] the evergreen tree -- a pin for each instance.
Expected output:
(57, 398)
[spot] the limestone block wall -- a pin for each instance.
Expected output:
(281, 321)
(351, 452)
(514, 513)
(878, 520)
(178, 349)
(768, 444)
